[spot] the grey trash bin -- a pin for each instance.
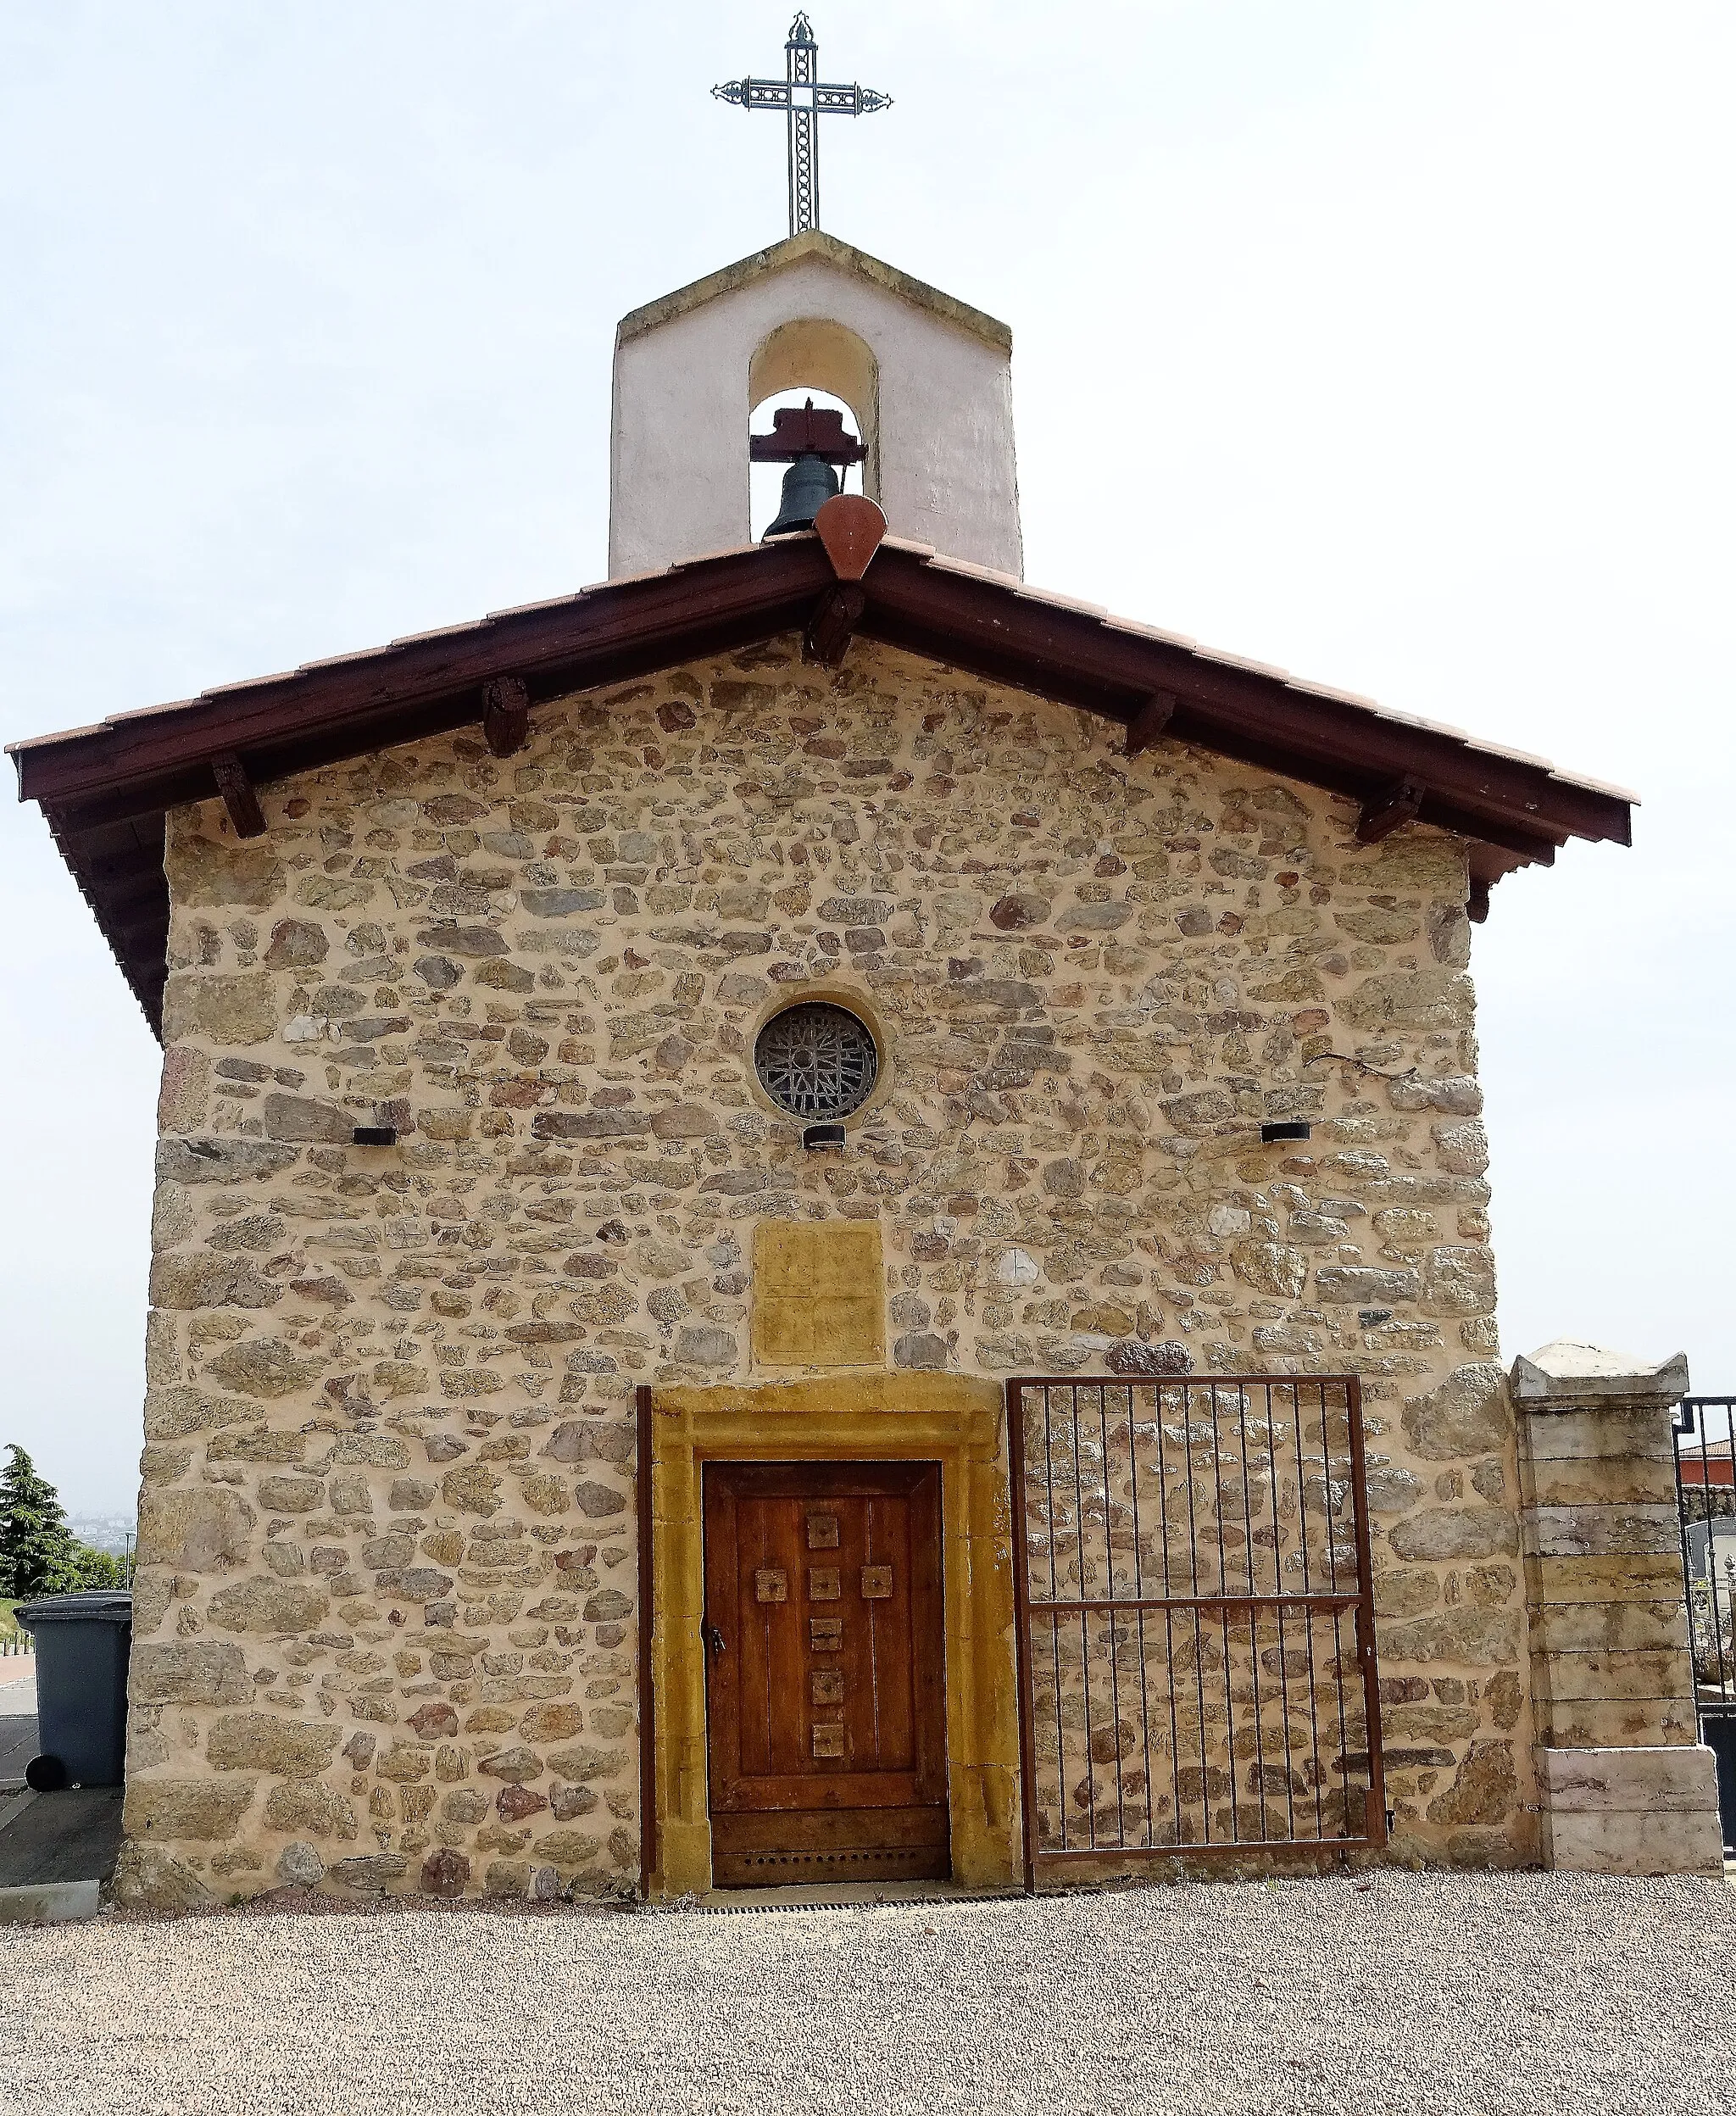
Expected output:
(82, 1642)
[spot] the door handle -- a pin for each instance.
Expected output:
(714, 1640)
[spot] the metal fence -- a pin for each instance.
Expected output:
(1195, 1618)
(1706, 1508)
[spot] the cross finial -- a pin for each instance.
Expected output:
(804, 99)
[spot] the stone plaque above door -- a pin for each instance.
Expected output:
(818, 1294)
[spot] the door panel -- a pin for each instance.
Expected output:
(826, 1674)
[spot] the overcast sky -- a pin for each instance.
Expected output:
(1389, 342)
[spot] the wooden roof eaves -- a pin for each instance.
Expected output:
(145, 976)
(103, 786)
(965, 616)
(1328, 738)
(351, 705)
(1215, 658)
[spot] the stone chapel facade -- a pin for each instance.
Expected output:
(518, 903)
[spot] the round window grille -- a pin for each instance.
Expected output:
(817, 1061)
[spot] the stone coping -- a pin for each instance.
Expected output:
(845, 257)
(1570, 1376)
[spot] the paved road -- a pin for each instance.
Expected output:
(18, 1713)
(71, 1835)
(1435, 1996)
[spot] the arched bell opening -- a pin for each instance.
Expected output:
(811, 362)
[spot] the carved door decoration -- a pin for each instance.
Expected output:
(827, 1699)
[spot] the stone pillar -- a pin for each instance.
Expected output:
(1622, 1786)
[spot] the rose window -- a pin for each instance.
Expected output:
(817, 1061)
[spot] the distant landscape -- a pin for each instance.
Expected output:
(113, 1532)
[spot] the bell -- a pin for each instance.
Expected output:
(807, 484)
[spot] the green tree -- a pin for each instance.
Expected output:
(38, 1554)
(92, 1568)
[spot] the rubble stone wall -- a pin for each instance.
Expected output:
(386, 1617)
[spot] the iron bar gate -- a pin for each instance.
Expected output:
(1195, 1618)
(1705, 1509)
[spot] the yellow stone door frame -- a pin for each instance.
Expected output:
(950, 1419)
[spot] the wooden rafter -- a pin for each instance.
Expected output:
(1149, 720)
(506, 715)
(238, 795)
(1384, 812)
(836, 616)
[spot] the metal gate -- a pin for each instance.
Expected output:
(1705, 1509)
(1195, 1619)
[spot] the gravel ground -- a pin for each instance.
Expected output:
(1430, 1994)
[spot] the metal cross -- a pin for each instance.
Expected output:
(805, 100)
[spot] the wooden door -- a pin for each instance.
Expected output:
(825, 1674)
